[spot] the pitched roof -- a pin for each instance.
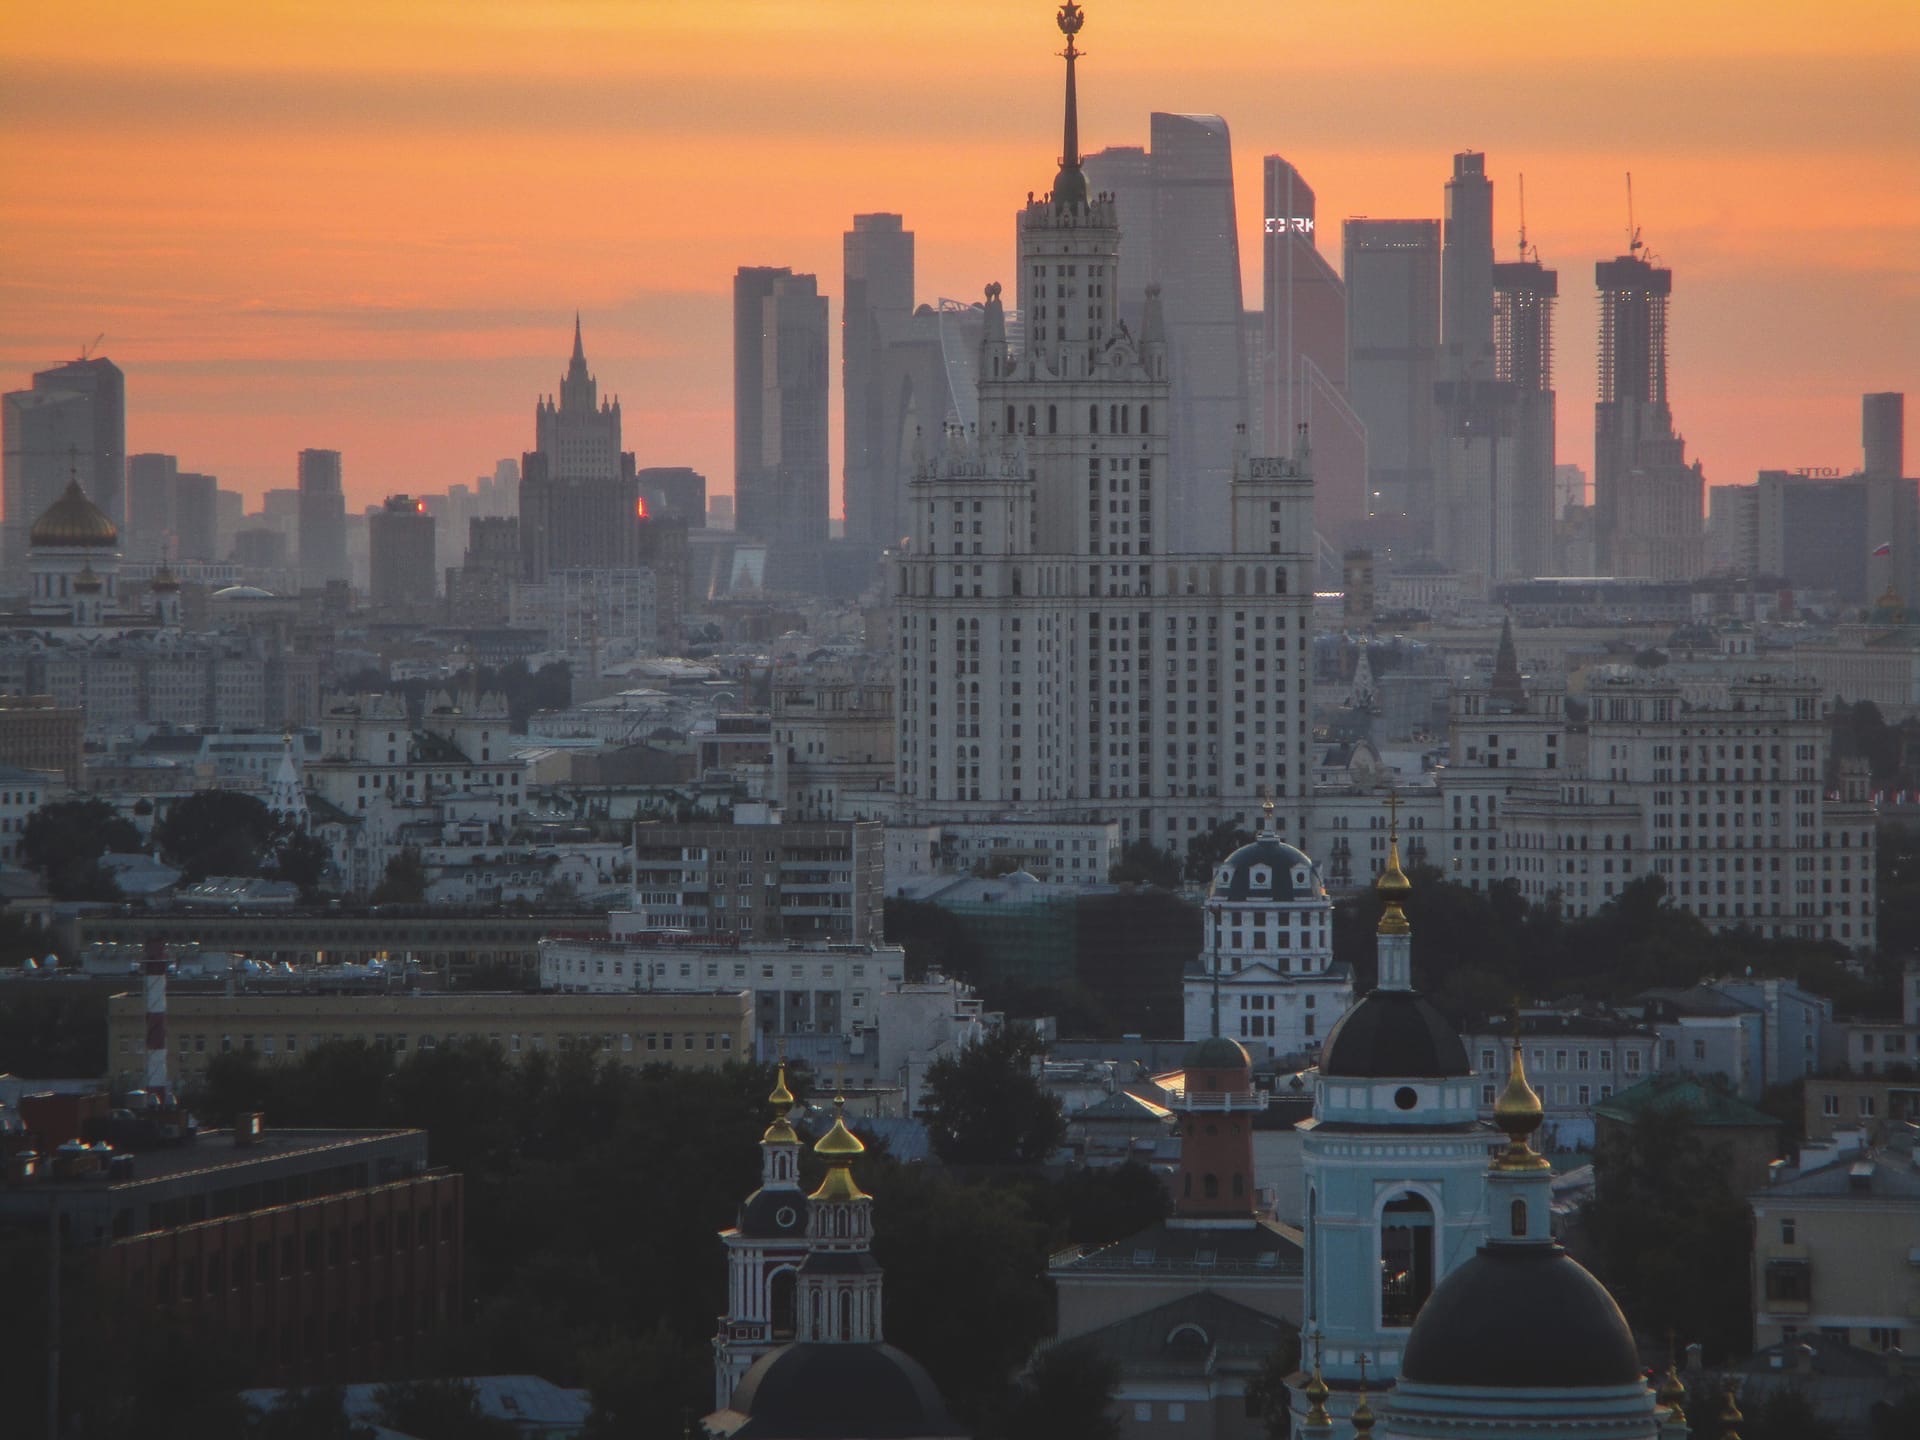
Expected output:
(1665, 1093)
(1196, 1334)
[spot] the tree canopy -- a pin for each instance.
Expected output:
(65, 840)
(984, 1106)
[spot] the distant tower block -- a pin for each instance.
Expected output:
(1883, 434)
(1357, 580)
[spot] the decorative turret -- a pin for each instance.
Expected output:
(1507, 684)
(840, 1281)
(286, 794)
(1318, 1424)
(765, 1250)
(1070, 185)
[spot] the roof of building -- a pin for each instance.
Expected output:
(73, 521)
(1698, 1000)
(529, 1401)
(1876, 1175)
(1266, 869)
(1121, 1105)
(1259, 1246)
(1393, 1033)
(1216, 1052)
(836, 1392)
(1706, 1104)
(1842, 1384)
(1195, 1335)
(1521, 1317)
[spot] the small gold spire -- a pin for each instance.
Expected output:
(1393, 885)
(782, 1098)
(1671, 1394)
(1518, 1112)
(1730, 1417)
(1362, 1411)
(839, 1144)
(1316, 1393)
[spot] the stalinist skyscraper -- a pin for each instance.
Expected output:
(579, 499)
(1057, 661)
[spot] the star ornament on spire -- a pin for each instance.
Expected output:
(1070, 19)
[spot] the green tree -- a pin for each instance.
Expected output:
(648, 1387)
(1207, 849)
(984, 1106)
(303, 859)
(1067, 1394)
(65, 840)
(1144, 863)
(405, 880)
(1268, 1396)
(219, 832)
(1670, 1237)
(1099, 1204)
(48, 1032)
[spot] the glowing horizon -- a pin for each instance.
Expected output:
(366, 227)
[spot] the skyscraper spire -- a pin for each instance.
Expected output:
(579, 360)
(1070, 185)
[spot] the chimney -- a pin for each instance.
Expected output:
(154, 973)
(249, 1128)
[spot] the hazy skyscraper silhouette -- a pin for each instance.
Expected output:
(323, 518)
(876, 309)
(1178, 199)
(1392, 269)
(579, 500)
(148, 533)
(1647, 499)
(1524, 295)
(196, 517)
(71, 424)
(1466, 271)
(780, 477)
(1303, 355)
(400, 540)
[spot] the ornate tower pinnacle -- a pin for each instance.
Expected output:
(1070, 185)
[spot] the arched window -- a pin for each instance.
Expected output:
(1406, 1258)
(1126, 416)
(1280, 580)
(780, 1304)
(1010, 421)
(846, 1314)
(1519, 1219)
(1032, 414)
(1053, 418)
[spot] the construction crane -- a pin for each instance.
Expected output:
(86, 351)
(1634, 245)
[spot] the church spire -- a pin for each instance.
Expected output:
(1070, 185)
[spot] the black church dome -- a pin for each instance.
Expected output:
(1521, 1317)
(1267, 868)
(840, 1392)
(1393, 1033)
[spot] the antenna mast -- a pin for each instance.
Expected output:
(1634, 247)
(1523, 217)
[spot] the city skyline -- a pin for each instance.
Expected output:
(297, 286)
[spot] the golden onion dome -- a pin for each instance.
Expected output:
(1518, 1112)
(86, 582)
(1394, 887)
(782, 1098)
(838, 1186)
(73, 521)
(1316, 1393)
(839, 1144)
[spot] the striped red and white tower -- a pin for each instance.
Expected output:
(154, 972)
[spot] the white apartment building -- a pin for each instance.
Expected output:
(1574, 1062)
(21, 793)
(833, 743)
(1727, 804)
(1055, 659)
(460, 758)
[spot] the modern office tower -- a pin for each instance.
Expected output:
(674, 492)
(1893, 498)
(400, 546)
(1883, 433)
(196, 517)
(1182, 198)
(1493, 455)
(1302, 356)
(720, 512)
(1733, 530)
(323, 519)
(71, 424)
(1057, 657)
(780, 420)
(1819, 532)
(875, 310)
(1392, 269)
(229, 515)
(1647, 499)
(1466, 271)
(579, 503)
(148, 533)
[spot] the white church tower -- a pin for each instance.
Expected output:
(764, 1252)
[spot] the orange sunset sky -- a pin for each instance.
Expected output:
(366, 224)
